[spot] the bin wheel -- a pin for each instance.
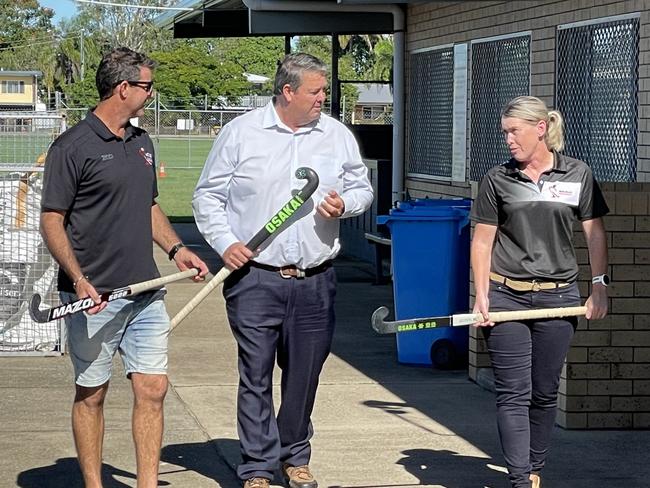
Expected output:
(443, 354)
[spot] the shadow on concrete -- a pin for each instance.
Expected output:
(443, 396)
(200, 458)
(357, 297)
(449, 469)
(65, 472)
(193, 239)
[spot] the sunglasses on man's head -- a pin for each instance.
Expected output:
(145, 85)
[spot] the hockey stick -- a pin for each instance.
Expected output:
(82, 304)
(273, 225)
(387, 327)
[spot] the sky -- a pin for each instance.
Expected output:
(62, 8)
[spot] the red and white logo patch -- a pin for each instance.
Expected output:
(148, 157)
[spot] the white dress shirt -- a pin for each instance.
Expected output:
(250, 174)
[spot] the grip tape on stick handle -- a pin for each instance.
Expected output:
(542, 313)
(219, 278)
(82, 304)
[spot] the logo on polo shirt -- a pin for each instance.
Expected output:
(561, 191)
(107, 157)
(148, 157)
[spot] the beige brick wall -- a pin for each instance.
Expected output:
(606, 381)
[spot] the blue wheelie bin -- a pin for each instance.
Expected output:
(430, 256)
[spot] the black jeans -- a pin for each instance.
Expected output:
(527, 359)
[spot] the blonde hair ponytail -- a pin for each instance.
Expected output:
(532, 109)
(555, 131)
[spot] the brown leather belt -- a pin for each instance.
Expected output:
(526, 285)
(293, 271)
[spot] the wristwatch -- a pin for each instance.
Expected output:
(175, 248)
(603, 279)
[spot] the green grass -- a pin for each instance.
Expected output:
(182, 152)
(184, 159)
(23, 148)
(175, 193)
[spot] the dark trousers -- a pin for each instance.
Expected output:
(293, 319)
(527, 359)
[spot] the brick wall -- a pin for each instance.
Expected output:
(606, 381)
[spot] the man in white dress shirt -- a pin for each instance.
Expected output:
(282, 301)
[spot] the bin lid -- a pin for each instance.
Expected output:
(429, 209)
(426, 204)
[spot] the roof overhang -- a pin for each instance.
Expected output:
(232, 18)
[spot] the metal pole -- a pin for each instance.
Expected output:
(81, 48)
(336, 86)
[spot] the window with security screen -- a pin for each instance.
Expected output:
(500, 72)
(431, 113)
(597, 92)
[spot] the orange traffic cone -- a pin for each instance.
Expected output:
(161, 170)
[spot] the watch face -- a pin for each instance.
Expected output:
(605, 279)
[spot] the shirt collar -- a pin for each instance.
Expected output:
(559, 164)
(104, 132)
(272, 119)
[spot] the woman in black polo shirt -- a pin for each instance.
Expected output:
(523, 258)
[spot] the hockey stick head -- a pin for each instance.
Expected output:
(377, 320)
(304, 173)
(35, 312)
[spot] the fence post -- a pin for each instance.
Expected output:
(157, 114)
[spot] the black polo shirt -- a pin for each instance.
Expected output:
(535, 221)
(106, 186)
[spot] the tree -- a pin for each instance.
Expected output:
(382, 68)
(26, 34)
(187, 73)
(130, 27)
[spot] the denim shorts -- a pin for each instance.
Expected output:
(137, 327)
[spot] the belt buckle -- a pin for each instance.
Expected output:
(300, 274)
(536, 286)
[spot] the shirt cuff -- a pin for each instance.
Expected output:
(224, 242)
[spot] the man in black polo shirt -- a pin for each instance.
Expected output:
(99, 217)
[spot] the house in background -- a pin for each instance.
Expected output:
(19, 90)
(374, 105)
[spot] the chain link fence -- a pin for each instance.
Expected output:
(24, 137)
(597, 92)
(26, 267)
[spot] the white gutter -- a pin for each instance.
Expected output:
(398, 65)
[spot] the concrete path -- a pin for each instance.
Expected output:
(378, 424)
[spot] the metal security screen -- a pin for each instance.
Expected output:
(500, 72)
(431, 113)
(597, 92)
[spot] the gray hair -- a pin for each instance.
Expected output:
(117, 66)
(532, 109)
(291, 69)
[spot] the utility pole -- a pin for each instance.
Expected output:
(81, 49)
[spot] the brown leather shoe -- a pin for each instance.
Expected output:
(535, 480)
(299, 476)
(257, 483)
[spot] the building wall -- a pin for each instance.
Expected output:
(26, 98)
(606, 381)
